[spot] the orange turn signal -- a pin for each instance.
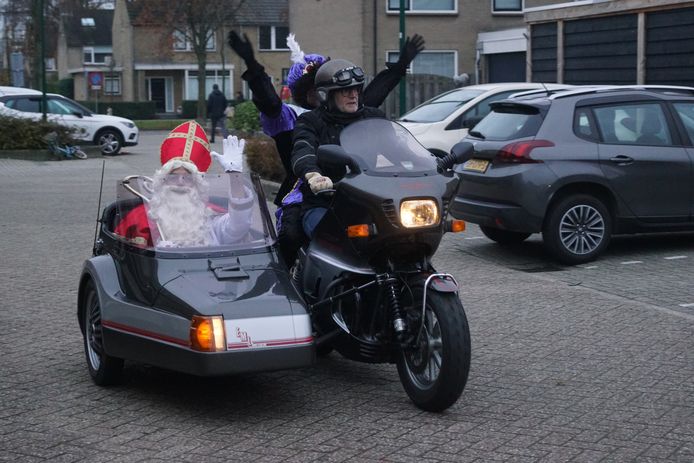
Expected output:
(358, 231)
(207, 334)
(457, 226)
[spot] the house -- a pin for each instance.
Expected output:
(84, 53)
(165, 70)
(612, 42)
(484, 39)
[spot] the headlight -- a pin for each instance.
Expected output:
(419, 213)
(129, 125)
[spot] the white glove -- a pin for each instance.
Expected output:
(318, 182)
(232, 159)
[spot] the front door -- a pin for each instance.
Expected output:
(157, 93)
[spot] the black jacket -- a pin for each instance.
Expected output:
(269, 103)
(315, 128)
(216, 104)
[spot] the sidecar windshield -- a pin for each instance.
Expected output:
(383, 147)
(191, 213)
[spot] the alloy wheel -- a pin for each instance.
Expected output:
(582, 229)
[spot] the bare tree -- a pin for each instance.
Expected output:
(196, 22)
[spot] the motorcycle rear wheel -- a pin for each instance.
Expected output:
(434, 372)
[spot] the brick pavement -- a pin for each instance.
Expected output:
(560, 372)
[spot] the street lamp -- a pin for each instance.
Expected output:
(403, 81)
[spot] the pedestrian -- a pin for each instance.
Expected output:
(216, 107)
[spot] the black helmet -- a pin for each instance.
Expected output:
(336, 74)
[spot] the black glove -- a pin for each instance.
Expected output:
(242, 47)
(410, 49)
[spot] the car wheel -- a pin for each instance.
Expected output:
(503, 236)
(104, 369)
(577, 229)
(110, 142)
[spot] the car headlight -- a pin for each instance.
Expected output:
(419, 213)
(129, 125)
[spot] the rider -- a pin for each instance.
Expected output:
(278, 118)
(339, 85)
(177, 215)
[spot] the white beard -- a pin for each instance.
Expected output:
(181, 215)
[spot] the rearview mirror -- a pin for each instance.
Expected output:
(335, 156)
(78, 114)
(461, 152)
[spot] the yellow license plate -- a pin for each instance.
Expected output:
(478, 165)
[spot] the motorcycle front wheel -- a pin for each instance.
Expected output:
(434, 369)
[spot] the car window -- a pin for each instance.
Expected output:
(583, 125)
(633, 124)
(441, 107)
(55, 106)
(686, 113)
(507, 122)
(478, 111)
(26, 105)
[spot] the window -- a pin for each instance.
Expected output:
(26, 105)
(182, 42)
(633, 124)
(112, 84)
(273, 37)
(583, 125)
(507, 6)
(441, 63)
(424, 6)
(686, 113)
(96, 55)
(211, 78)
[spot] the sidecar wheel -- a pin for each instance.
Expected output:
(104, 369)
(434, 371)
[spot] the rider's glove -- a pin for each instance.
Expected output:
(409, 51)
(232, 158)
(318, 182)
(242, 46)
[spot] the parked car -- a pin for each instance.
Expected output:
(443, 121)
(110, 133)
(582, 165)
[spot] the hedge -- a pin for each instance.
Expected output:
(20, 133)
(127, 109)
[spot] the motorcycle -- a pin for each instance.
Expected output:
(367, 278)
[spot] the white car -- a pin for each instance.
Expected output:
(110, 133)
(443, 121)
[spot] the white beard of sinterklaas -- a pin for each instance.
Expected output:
(180, 214)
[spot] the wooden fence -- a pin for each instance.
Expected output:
(420, 87)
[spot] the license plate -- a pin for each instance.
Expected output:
(478, 165)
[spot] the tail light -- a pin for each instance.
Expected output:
(519, 152)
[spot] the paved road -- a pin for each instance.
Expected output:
(593, 363)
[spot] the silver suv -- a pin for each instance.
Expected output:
(581, 165)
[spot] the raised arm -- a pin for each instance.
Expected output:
(385, 81)
(265, 96)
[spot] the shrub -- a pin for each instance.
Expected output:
(262, 157)
(189, 109)
(19, 133)
(246, 117)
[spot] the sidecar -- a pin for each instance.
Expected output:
(208, 310)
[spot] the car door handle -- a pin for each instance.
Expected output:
(622, 160)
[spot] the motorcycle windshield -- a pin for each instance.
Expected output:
(383, 147)
(191, 213)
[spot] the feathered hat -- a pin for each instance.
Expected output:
(303, 70)
(186, 146)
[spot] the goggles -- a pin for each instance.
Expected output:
(345, 76)
(179, 179)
